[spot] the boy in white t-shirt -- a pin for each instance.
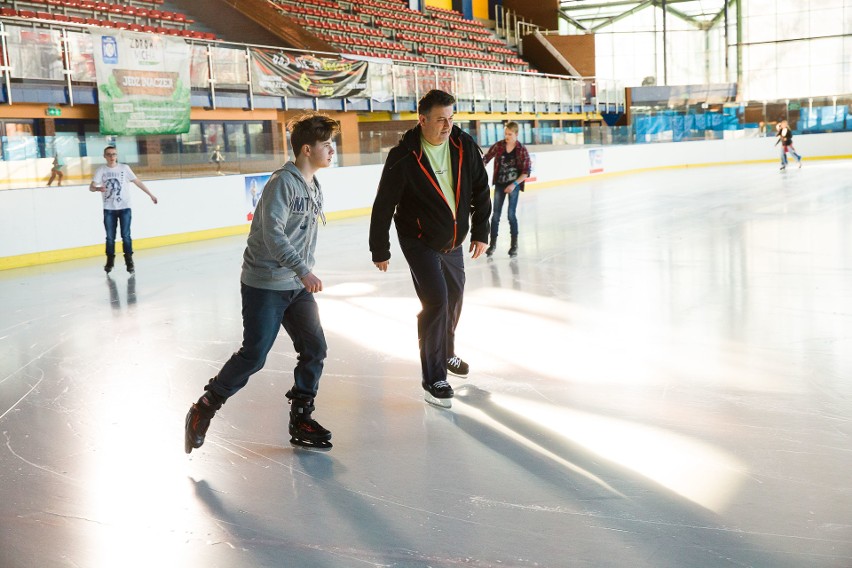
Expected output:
(112, 180)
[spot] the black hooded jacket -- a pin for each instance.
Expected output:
(410, 195)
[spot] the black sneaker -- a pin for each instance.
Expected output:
(457, 367)
(197, 423)
(439, 393)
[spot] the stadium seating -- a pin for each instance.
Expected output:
(389, 28)
(377, 28)
(136, 15)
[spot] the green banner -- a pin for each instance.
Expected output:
(143, 83)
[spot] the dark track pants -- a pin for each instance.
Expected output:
(439, 281)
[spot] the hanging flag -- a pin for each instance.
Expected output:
(286, 74)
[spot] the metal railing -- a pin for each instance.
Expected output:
(62, 54)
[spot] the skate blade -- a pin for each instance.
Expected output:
(188, 442)
(315, 446)
(439, 402)
(457, 374)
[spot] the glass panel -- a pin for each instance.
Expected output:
(191, 143)
(229, 67)
(199, 71)
(235, 136)
(80, 48)
(35, 53)
(214, 135)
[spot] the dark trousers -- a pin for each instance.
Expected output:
(263, 312)
(439, 281)
(499, 197)
(111, 220)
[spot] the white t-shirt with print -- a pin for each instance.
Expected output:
(117, 182)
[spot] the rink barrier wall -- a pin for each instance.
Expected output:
(50, 224)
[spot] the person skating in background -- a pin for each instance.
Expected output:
(785, 138)
(217, 158)
(512, 166)
(56, 172)
(278, 287)
(435, 188)
(112, 181)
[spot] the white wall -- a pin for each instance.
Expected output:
(51, 218)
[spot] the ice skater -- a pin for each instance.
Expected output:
(512, 166)
(435, 188)
(56, 172)
(785, 137)
(278, 287)
(217, 158)
(112, 180)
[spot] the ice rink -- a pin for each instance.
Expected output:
(661, 379)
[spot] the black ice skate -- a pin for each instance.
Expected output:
(304, 430)
(457, 367)
(439, 393)
(197, 423)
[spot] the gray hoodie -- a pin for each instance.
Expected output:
(283, 235)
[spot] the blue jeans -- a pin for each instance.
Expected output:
(111, 219)
(439, 282)
(784, 150)
(499, 197)
(263, 312)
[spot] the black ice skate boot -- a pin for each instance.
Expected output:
(513, 248)
(439, 393)
(304, 430)
(198, 419)
(128, 262)
(457, 367)
(492, 246)
(109, 263)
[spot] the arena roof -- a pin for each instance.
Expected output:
(594, 15)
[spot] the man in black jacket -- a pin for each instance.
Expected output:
(435, 188)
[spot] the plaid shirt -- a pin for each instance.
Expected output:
(496, 152)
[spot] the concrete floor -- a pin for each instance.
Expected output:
(661, 379)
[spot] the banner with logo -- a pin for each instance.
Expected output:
(143, 83)
(286, 74)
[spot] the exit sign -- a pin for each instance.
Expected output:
(53, 111)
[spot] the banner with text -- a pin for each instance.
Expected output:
(286, 74)
(143, 83)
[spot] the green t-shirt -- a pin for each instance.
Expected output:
(439, 158)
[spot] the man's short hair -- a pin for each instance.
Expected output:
(310, 128)
(434, 98)
(513, 126)
(109, 147)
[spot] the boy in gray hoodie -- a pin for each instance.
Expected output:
(278, 287)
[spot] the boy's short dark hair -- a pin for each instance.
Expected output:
(434, 98)
(513, 126)
(310, 128)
